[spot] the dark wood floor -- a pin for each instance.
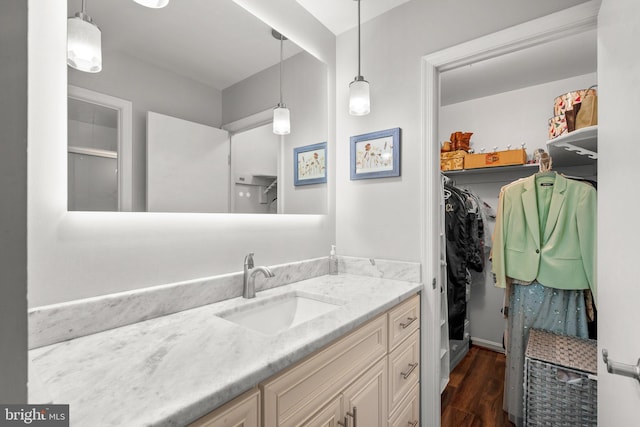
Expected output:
(473, 397)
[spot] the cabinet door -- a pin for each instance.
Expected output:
(298, 393)
(366, 398)
(243, 411)
(328, 416)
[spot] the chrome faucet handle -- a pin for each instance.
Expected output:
(248, 260)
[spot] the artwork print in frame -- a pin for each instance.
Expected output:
(375, 154)
(310, 164)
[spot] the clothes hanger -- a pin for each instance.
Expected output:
(544, 164)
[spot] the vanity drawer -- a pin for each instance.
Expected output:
(403, 321)
(242, 411)
(408, 413)
(292, 395)
(404, 369)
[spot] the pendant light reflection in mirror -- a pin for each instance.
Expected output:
(359, 104)
(84, 38)
(84, 42)
(281, 119)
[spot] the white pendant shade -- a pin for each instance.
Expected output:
(84, 45)
(281, 121)
(359, 104)
(155, 4)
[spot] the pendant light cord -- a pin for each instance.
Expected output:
(358, 38)
(84, 9)
(281, 43)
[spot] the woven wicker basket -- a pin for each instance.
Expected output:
(560, 383)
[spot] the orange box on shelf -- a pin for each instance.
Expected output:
(498, 158)
(452, 160)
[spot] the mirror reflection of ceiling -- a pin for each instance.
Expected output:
(215, 42)
(554, 60)
(341, 15)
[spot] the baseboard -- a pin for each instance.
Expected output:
(495, 346)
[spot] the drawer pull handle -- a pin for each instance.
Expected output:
(410, 321)
(412, 367)
(343, 423)
(354, 415)
(413, 423)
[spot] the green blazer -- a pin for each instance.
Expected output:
(561, 252)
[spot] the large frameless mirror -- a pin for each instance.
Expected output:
(178, 118)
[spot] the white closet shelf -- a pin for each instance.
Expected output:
(491, 170)
(577, 148)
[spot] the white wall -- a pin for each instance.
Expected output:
(618, 232)
(380, 218)
(150, 88)
(74, 255)
(305, 92)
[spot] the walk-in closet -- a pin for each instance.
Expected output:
(507, 104)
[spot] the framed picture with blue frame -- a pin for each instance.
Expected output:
(310, 164)
(375, 154)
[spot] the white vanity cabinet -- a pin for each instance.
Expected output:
(295, 396)
(373, 370)
(367, 378)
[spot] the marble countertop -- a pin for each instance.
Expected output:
(171, 370)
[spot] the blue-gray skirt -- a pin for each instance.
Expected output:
(539, 307)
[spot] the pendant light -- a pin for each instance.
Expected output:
(281, 120)
(84, 43)
(359, 104)
(154, 4)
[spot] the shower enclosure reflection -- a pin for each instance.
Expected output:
(98, 152)
(93, 157)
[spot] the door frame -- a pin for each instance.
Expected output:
(565, 23)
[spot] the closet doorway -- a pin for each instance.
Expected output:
(562, 25)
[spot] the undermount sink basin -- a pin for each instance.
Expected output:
(273, 315)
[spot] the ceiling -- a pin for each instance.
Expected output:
(219, 43)
(342, 15)
(214, 42)
(555, 60)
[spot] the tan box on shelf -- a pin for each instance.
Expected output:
(498, 158)
(452, 160)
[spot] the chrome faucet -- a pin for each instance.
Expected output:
(249, 281)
